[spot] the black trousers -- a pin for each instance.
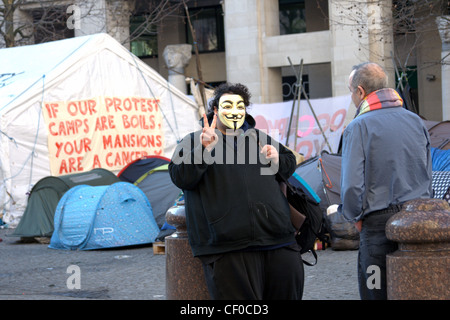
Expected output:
(373, 248)
(255, 275)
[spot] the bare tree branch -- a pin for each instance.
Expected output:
(47, 20)
(411, 20)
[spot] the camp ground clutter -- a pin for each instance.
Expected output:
(87, 134)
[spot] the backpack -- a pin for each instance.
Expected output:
(307, 218)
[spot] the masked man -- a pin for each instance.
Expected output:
(237, 218)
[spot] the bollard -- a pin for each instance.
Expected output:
(420, 268)
(184, 273)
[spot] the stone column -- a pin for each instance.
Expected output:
(381, 36)
(184, 273)
(347, 45)
(360, 31)
(443, 23)
(420, 268)
(177, 57)
(247, 26)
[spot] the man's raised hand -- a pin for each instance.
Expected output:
(209, 138)
(270, 152)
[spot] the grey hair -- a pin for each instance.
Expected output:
(369, 75)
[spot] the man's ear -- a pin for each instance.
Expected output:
(361, 92)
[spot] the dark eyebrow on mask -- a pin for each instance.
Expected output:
(231, 102)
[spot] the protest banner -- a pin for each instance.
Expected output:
(102, 132)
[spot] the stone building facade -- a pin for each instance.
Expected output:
(263, 43)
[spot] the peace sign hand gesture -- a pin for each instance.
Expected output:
(208, 137)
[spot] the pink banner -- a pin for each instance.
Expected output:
(306, 136)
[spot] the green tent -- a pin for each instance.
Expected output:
(37, 220)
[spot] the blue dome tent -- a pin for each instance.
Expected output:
(100, 217)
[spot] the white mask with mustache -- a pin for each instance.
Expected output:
(232, 111)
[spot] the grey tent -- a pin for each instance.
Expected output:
(310, 171)
(37, 220)
(331, 176)
(439, 133)
(344, 235)
(323, 174)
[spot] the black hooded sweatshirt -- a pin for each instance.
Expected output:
(233, 199)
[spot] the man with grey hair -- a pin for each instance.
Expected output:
(386, 161)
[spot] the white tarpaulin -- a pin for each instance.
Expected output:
(73, 105)
(333, 115)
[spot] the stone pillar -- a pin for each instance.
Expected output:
(345, 38)
(381, 36)
(177, 57)
(360, 31)
(247, 26)
(242, 43)
(420, 268)
(443, 23)
(184, 273)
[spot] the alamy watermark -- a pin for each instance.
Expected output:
(74, 21)
(240, 148)
(74, 280)
(374, 280)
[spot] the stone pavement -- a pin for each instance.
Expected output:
(32, 271)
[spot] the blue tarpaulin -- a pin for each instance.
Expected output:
(440, 159)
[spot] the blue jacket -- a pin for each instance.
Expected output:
(386, 160)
